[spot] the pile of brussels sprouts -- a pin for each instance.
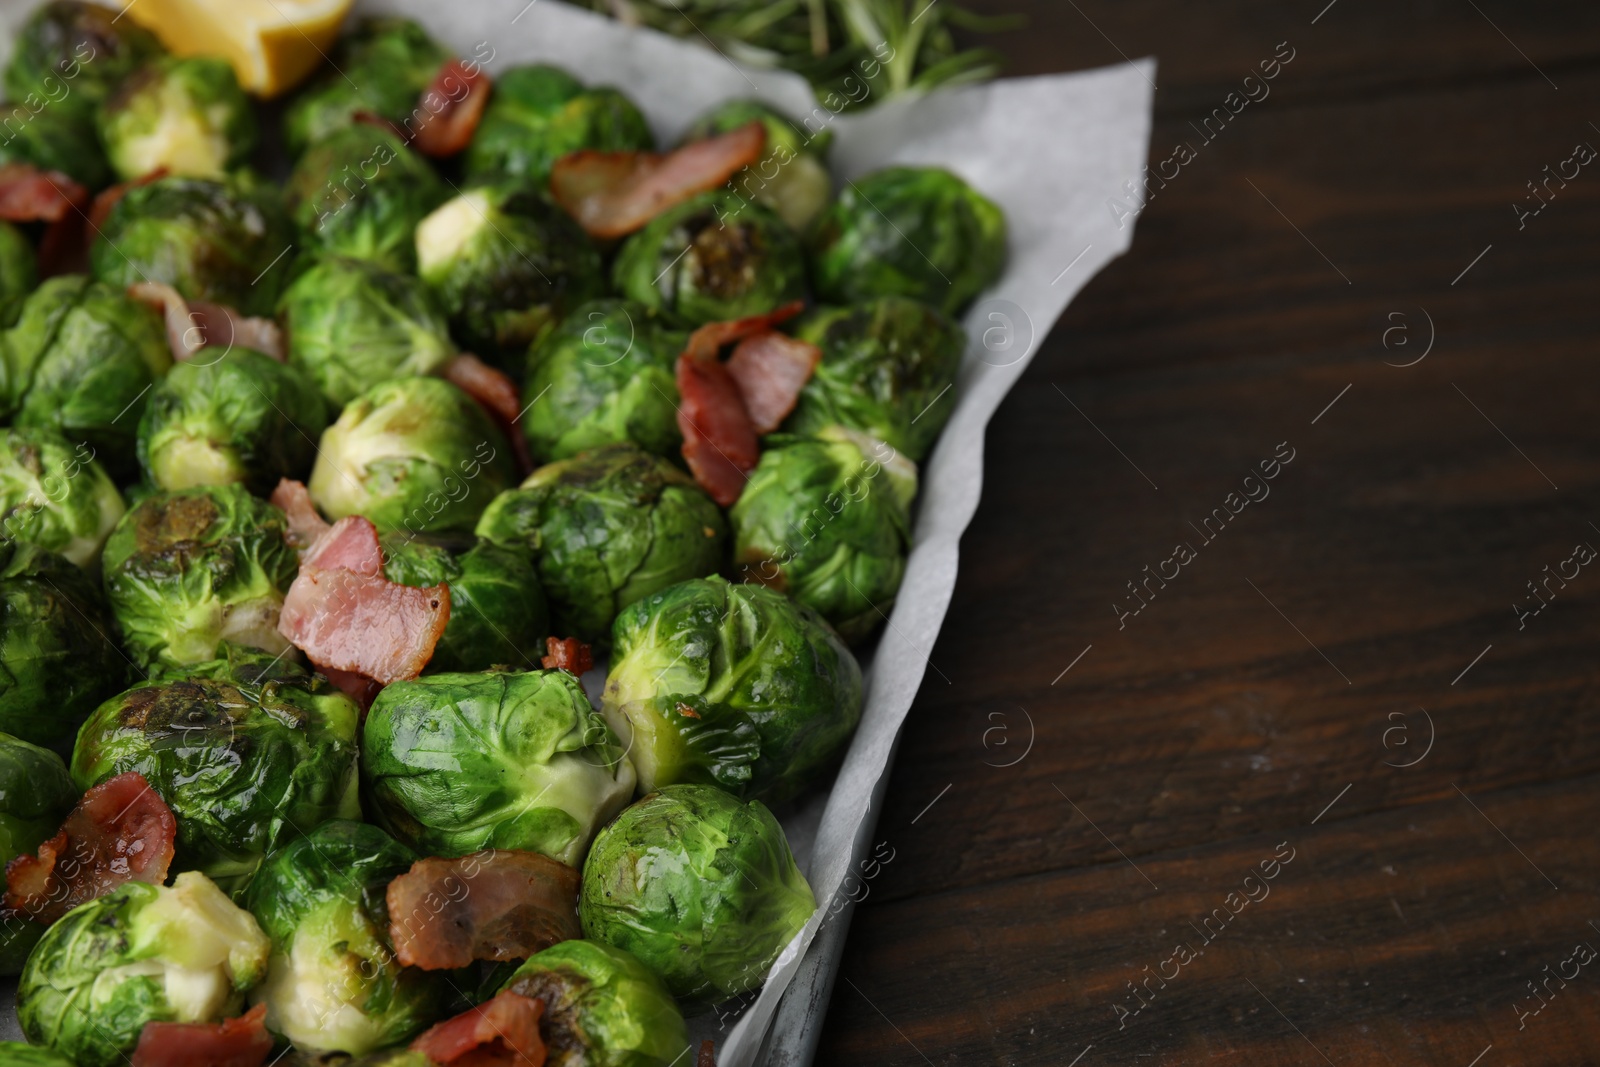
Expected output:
(143, 566)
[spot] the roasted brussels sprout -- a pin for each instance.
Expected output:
(382, 67)
(714, 257)
(35, 795)
(700, 887)
(218, 241)
(54, 495)
(454, 763)
(334, 984)
(360, 192)
(187, 115)
(888, 369)
(74, 54)
(17, 1054)
(608, 527)
(505, 263)
(52, 138)
(413, 454)
(791, 177)
(142, 953)
(498, 615)
(189, 569)
(241, 417)
(694, 667)
(827, 520)
(539, 114)
(603, 377)
(353, 324)
(920, 232)
(19, 271)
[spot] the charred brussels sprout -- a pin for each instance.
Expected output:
(333, 984)
(700, 887)
(505, 263)
(188, 570)
(711, 258)
(454, 763)
(413, 454)
(187, 115)
(142, 953)
(353, 324)
(920, 232)
(539, 114)
(826, 519)
(603, 377)
(35, 795)
(19, 270)
(217, 241)
(888, 369)
(54, 495)
(360, 192)
(602, 1006)
(498, 615)
(240, 418)
(74, 54)
(694, 668)
(791, 177)
(608, 527)
(51, 138)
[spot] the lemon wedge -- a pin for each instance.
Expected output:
(272, 44)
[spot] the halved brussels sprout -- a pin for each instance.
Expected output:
(539, 114)
(142, 953)
(240, 417)
(498, 615)
(827, 520)
(888, 369)
(700, 887)
(73, 54)
(714, 257)
(791, 177)
(36, 794)
(381, 67)
(608, 527)
(50, 137)
(353, 324)
(694, 667)
(504, 264)
(187, 115)
(920, 232)
(333, 984)
(603, 377)
(454, 763)
(19, 271)
(360, 192)
(53, 494)
(188, 570)
(413, 454)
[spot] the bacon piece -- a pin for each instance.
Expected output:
(350, 544)
(305, 524)
(192, 327)
(28, 194)
(358, 687)
(770, 369)
(464, 90)
(706, 1058)
(504, 1032)
(567, 654)
(497, 394)
(364, 623)
(496, 905)
(121, 831)
(111, 196)
(611, 194)
(240, 1042)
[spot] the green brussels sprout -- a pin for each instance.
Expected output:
(240, 418)
(454, 763)
(73, 55)
(791, 177)
(36, 794)
(414, 454)
(827, 520)
(353, 324)
(710, 258)
(17, 1054)
(604, 376)
(142, 953)
(187, 115)
(54, 495)
(603, 1007)
(247, 758)
(333, 984)
(694, 667)
(216, 241)
(360, 192)
(700, 887)
(80, 360)
(19, 270)
(53, 138)
(888, 369)
(539, 114)
(189, 569)
(498, 615)
(504, 264)
(608, 527)
(920, 232)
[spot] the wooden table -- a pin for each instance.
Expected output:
(1348, 687)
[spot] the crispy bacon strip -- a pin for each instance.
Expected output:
(305, 524)
(191, 327)
(240, 1042)
(28, 194)
(706, 1058)
(121, 831)
(611, 194)
(770, 369)
(464, 90)
(494, 905)
(567, 654)
(504, 1032)
(112, 195)
(497, 394)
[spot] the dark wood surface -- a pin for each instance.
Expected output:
(1341, 674)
